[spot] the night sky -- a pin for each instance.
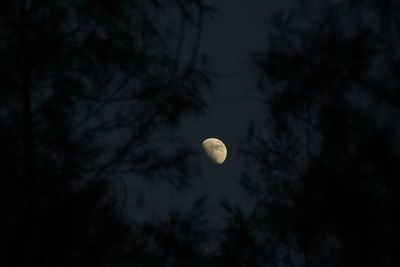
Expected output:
(238, 32)
(104, 106)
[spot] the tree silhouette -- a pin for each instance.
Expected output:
(179, 240)
(242, 242)
(87, 89)
(325, 161)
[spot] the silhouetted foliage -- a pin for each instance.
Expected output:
(90, 91)
(241, 241)
(325, 163)
(179, 240)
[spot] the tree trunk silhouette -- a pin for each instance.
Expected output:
(30, 186)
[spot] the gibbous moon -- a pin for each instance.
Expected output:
(215, 149)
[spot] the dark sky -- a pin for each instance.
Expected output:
(239, 31)
(327, 162)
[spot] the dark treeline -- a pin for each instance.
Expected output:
(325, 161)
(92, 90)
(84, 87)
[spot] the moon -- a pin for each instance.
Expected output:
(215, 150)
